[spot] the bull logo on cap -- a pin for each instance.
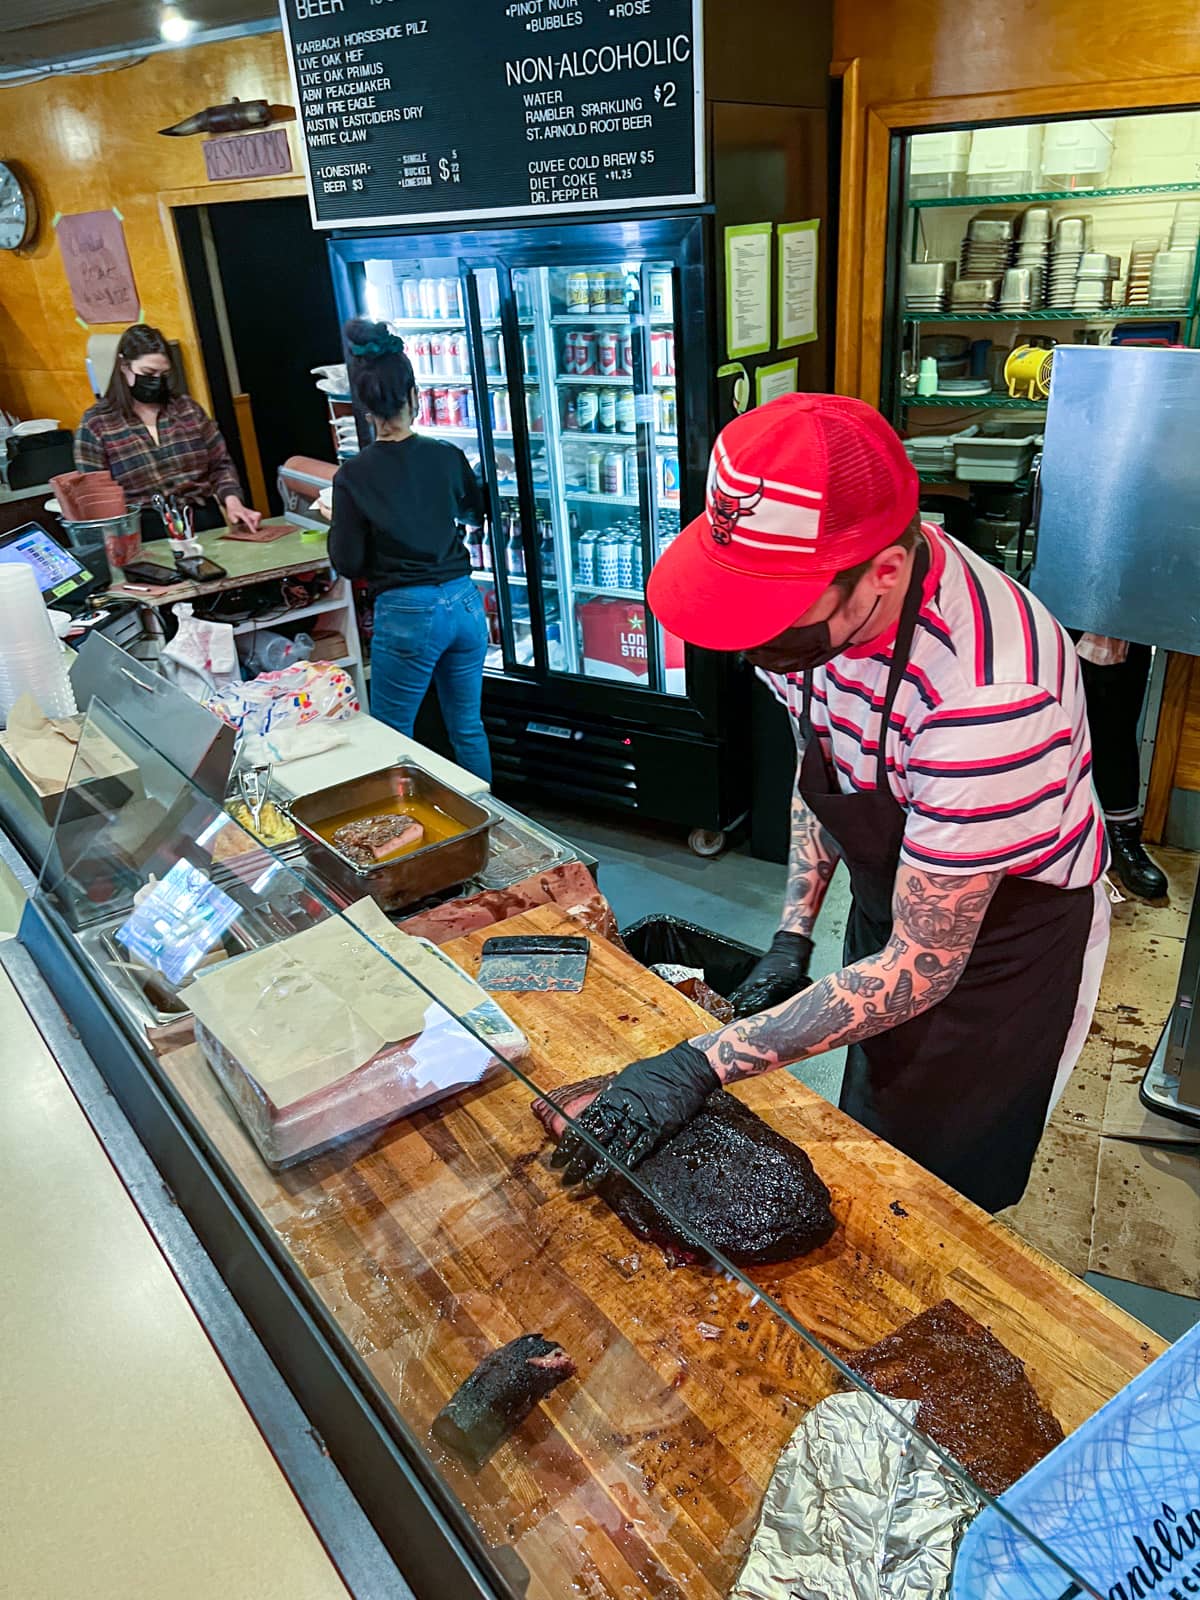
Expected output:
(729, 509)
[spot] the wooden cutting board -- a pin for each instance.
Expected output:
(447, 1234)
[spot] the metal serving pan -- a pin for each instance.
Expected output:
(406, 878)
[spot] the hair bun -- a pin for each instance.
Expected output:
(369, 341)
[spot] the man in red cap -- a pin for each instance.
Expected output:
(943, 757)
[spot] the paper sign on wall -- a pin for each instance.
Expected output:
(748, 289)
(1118, 1502)
(98, 266)
(798, 282)
(779, 378)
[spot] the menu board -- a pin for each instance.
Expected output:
(449, 110)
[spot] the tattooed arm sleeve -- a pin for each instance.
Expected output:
(812, 856)
(935, 921)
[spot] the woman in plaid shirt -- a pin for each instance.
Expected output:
(155, 442)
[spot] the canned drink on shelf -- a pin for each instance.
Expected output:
(533, 410)
(441, 408)
(668, 421)
(614, 472)
(417, 350)
(615, 291)
(606, 419)
(458, 352)
(669, 351)
(425, 408)
(453, 297)
(626, 411)
(585, 559)
(608, 561)
(658, 354)
(585, 352)
(566, 352)
(439, 354)
(529, 352)
(578, 294)
(501, 411)
(455, 414)
(489, 294)
(607, 349)
(570, 414)
(625, 353)
(492, 362)
(442, 297)
(629, 542)
(595, 472)
(638, 576)
(468, 408)
(668, 475)
(587, 410)
(598, 289)
(661, 293)
(410, 297)
(521, 294)
(427, 297)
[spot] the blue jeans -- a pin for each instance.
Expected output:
(433, 633)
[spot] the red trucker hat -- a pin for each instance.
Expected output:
(798, 490)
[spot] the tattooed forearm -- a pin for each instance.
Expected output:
(935, 923)
(812, 858)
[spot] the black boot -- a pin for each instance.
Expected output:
(1131, 866)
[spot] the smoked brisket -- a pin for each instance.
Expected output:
(500, 1394)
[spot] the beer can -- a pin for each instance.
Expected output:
(614, 472)
(608, 561)
(661, 295)
(669, 352)
(606, 420)
(668, 475)
(629, 543)
(598, 289)
(626, 411)
(587, 409)
(457, 351)
(491, 354)
(533, 410)
(427, 296)
(585, 559)
(410, 297)
(607, 345)
(501, 411)
(578, 294)
(529, 352)
(417, 349)
(625, 354)
(658, 354)
(638, 577)
(615, 291)
(668, 421)
(585, 352)
(595, 472)
(441, 408)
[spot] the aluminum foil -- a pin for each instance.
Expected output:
(858, 1508)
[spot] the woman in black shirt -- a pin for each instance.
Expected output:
(399, 510)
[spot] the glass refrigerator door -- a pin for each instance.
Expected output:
(599, 365)
(449, 319)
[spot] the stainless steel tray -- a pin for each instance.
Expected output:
(406, 878)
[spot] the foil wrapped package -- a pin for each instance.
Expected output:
(858, 1508)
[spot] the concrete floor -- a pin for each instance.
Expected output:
(643, 871)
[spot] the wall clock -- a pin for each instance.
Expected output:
(18, 211)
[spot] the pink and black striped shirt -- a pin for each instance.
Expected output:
(987, 748)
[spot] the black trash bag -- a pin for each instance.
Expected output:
(724, 962)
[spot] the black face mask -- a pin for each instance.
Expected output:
(802, 648)
(150, 388)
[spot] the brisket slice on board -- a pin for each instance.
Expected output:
(976, 1401)
(500, 1394)
(749, 1191)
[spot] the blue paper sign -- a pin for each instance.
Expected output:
(1118, 1502)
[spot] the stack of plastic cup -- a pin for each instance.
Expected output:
(31, 657)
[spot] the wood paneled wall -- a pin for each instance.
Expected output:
(88, 142)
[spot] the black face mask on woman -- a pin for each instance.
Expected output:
(804, 647)
(150, 388)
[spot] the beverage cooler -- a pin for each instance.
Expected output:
(572, 365)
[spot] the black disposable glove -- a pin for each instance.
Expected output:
(643, 1105)
(776, 976)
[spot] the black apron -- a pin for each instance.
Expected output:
(965, 1087)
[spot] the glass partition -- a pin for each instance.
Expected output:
(373, 1108)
